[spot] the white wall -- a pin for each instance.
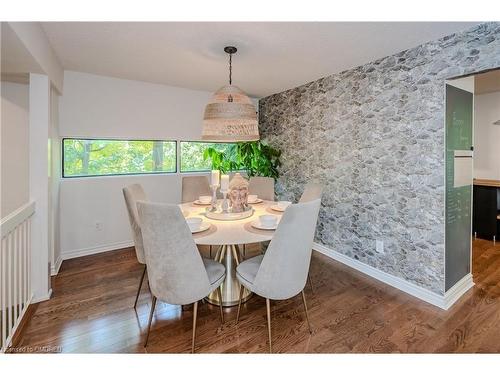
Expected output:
(88, 201)
(487, 136)
(39, 135)
(97, 106)
(54, 180)
(14, 146)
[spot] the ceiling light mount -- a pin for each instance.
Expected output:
(230, 49)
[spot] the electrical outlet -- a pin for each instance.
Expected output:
(98, 226)
(379, 246)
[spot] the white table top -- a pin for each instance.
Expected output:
(232, 232)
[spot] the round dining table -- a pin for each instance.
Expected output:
(228, 236)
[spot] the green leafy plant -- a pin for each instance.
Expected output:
(222, 160)
(256, 158)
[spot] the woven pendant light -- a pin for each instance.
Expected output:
(230, 116)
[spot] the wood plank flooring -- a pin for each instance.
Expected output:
(91, 312)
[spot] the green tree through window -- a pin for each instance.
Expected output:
(99, 157)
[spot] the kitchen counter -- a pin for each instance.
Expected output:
(483, 182)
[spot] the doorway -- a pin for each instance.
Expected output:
(472, 140)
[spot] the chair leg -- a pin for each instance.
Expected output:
(153, 305)
(263, 247)
(219, 294)
(235, 254)
(268, 308)
(242, 288)
(219, 254)
(305, 308)
(140, 286)
(310, 282)
(195, 315)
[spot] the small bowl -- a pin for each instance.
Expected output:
(194, 223)
(284, 204)
(252, 198)
(268, 220)
(205, 199)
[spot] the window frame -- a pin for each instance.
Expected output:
(63, 175)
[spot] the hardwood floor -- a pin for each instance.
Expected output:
(91, 312)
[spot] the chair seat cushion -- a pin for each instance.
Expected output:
(215, 271)
(247, 270)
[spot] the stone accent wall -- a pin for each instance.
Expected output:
(374, 136)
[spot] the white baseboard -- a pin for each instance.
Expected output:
(54, 268)
(458, 290)
(441, 301)
(76, 253)
(43, 297)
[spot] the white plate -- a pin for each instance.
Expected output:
(257, 224)
(199, 203)
(275, 207)
(204, 226)
(257, 201)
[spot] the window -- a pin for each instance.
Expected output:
(104, 157)
(192, 155)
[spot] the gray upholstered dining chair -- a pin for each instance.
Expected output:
(263, 187)
(178, 275)
(193, 187)
(311, 192)
(132, 194)
(281, 272)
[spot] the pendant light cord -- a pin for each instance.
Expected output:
(230, 68)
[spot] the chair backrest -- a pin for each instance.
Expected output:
(312, 191)
(283, 271)
(132, 194)
(263, 187)
(193, 187)
(176, 272)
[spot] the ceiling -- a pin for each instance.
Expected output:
(272, 56)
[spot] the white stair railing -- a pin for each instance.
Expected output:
(15, 270)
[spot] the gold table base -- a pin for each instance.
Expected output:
(229, 256)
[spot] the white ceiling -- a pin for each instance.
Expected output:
(271, 57)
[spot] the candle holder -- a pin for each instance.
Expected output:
(213, 206)
(225, 203)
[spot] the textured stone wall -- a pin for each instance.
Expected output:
(374, 136)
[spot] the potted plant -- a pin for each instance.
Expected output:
(256, 158)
